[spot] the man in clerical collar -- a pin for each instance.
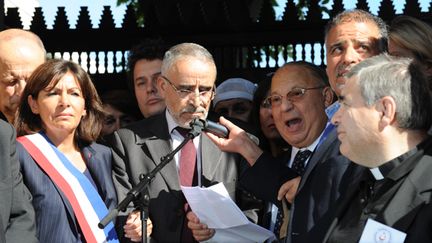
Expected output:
(382, 124)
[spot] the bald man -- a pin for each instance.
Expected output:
(21, 52)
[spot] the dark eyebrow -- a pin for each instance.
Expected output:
(337, 44)
(156, 74)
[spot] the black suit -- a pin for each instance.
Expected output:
(138, 149)
(17, 217)
(325, 179)
(3, 117)
(402, 201)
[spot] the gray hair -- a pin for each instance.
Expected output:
(358, 15)
(185, 51)
(400, 78)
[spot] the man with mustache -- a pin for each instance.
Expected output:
(350, 37)
(186, 82)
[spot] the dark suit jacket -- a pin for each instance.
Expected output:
(139, 147)
(55, 219)
(325, 179)
(3, 117)
(17, 218)
(410, 209)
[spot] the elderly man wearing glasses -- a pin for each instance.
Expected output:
(299, 96)
(186, 83)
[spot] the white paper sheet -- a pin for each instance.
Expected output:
(214, 207)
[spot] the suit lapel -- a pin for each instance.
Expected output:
(318, 156)
(92, 165)
(159, 148)
(414, 191)
(211, 154)
(343, 204)
(160, 145)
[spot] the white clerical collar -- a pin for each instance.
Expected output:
(377, 174)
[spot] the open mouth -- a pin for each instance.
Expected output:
(293, 122)
(342, 73)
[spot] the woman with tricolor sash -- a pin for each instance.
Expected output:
(69, 175)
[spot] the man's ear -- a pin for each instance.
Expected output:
(33, 104)
(161, 85)
(328, 96)
(386, 107)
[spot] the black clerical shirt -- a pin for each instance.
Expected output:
(370, 197)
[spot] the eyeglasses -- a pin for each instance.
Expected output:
(265, 103)
(204, 92)
(294, 95)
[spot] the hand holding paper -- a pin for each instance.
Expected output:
(214, 207)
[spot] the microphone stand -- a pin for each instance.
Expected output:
(197, 126)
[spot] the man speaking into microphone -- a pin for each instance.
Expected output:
(186, 83)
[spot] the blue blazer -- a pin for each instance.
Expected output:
(55, 219)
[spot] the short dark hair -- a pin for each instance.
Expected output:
(359, 15)
(50, 73)
(148, 49)
(261, 93)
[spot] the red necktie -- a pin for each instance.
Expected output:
(187, 176)
(187, 161)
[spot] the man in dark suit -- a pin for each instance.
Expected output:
(17, 217)
(187, 85)
(351, 37)
(382, 125)
(299, 97)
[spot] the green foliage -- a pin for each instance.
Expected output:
(303, 5)
(137, 7)
(259, 53)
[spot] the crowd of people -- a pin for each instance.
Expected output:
(313, 155)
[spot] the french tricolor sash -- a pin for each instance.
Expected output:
(86, 202)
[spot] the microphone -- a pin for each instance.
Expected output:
(209, 126)
(216, 128)
(197, 126)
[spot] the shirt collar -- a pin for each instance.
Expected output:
(311, 147)
(384, 170)
(170, 120)
(332, 109)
